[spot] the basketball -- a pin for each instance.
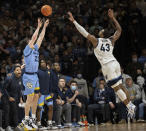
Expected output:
(46, 10)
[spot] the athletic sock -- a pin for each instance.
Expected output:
(26, 117)
(49, 122)
(33, 116)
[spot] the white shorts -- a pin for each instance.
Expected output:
(112, 70)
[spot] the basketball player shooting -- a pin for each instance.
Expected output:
(103, 50)
(30, 78)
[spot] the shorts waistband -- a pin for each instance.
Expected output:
(31, 73)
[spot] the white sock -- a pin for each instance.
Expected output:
(38, 123)
(33, 116)
(49, 122)
(121, 94)
(26, 117)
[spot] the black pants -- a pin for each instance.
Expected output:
(75, 113)
(10, 113)
(104, 108)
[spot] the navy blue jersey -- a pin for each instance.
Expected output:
(45, 81)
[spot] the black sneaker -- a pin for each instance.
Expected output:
(40, 127)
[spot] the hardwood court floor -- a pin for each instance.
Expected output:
(115, 127)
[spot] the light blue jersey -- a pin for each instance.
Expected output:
(30, 77)
(31, 58)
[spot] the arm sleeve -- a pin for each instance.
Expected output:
(81, 29)
(27, 51)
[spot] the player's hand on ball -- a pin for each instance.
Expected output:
(46, 23)
(71, 18)
(39, 22)
(111, 13)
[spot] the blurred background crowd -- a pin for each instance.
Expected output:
(64, 45)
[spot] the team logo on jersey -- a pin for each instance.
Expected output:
(29, 85)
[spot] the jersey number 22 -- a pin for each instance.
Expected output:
(105, 47)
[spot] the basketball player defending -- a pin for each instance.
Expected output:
(30, 78)
(103, 50)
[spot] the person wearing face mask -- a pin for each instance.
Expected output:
(71, 96)
(140, 80)
(142, 105)
(82, 85)
(12, 97)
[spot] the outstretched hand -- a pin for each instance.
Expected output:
(46, 23)
(111, 13)
(71, 18)
(39, 22)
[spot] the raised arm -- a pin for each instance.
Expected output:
(42, 34)
(35, 34)
(117, 34)
(83, 31)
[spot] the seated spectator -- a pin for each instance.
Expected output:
(140, 81)
(61, 107)
(71, 96)
(82, 85)
(134, 92)
(101, 101)
(12, 97)
(141, 106)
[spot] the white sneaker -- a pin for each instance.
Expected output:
(33, 123)
(1, 129)
(81, 123)
(9, 128)
(131, 110)
(51, 126)
(27, 124)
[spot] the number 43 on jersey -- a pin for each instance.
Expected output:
(105, 47)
